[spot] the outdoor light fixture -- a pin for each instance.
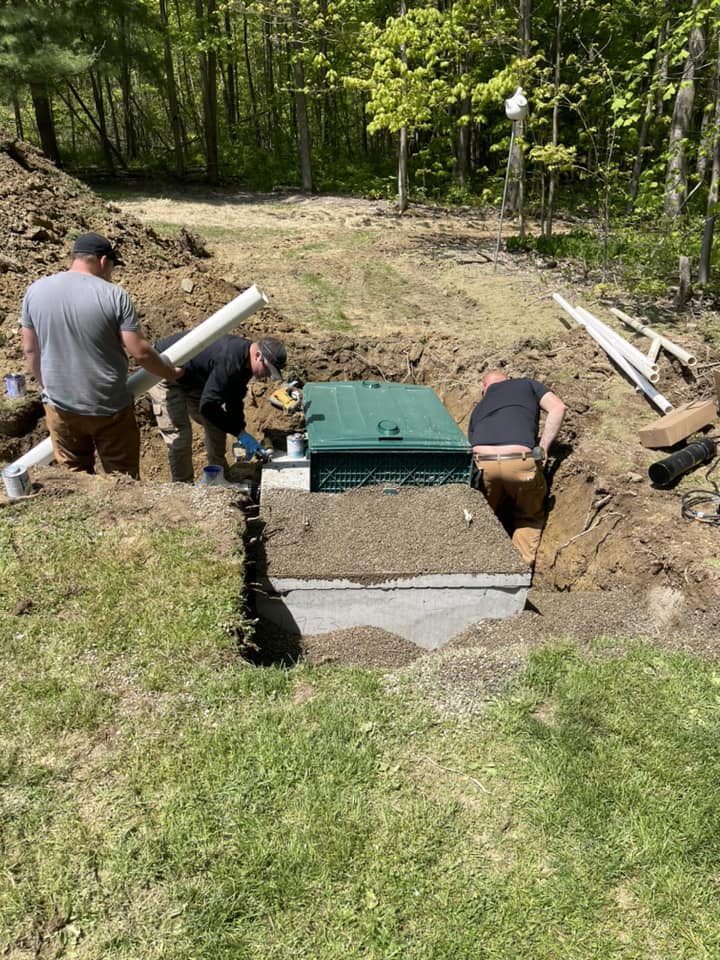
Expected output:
(516, 108)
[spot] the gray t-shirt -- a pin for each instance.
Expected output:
(77, 318)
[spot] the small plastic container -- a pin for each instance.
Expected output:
(212, 476)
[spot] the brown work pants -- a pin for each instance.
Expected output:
(76, 439)
(517, 486)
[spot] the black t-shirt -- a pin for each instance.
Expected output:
(220, 374)
(507, 414)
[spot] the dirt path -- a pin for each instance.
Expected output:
(355, 266)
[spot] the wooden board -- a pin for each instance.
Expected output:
(678, 424)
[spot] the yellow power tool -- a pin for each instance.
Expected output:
(286, 398)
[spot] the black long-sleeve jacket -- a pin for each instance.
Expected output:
(220, 374)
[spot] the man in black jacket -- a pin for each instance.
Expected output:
(212, 393)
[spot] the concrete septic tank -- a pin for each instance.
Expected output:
(421, 562)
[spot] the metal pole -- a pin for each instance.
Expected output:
(505, 188)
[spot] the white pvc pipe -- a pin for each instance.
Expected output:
(654, 351)
(631, 353)
(688, 359)
(641, 383)
(210, 330)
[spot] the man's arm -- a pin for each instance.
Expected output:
(221, 403)
(555, 410)
(31, 349)
(147, 356)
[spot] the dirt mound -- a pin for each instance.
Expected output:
(42, 209)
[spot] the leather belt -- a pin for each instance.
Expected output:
(525, 455)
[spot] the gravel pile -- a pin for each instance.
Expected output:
(370, 536)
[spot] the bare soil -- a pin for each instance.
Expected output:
(358, 292)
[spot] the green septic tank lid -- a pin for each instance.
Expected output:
(370, 415)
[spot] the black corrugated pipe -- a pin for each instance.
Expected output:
(663, 472)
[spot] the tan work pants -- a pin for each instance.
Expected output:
(174, 408)
(76, 439)
(519, 485)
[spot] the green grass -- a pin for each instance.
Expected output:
(329, 313)
(159, 798)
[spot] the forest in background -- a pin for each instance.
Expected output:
(388, 98)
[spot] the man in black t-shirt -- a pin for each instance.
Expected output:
(503, 433)
(212, 393)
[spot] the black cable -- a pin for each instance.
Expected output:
(703, 505)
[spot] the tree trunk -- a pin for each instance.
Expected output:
(18, 117)
(516, 190)
(654, 84)
(676, 175)
(126, 89)
(272, 136)
(552, 179)
(462, 154)
(45, 123)
(402, 174)
(251, 84)
(714, 190)
(706, 251)
(172, 97)
(101, 124)
(111, 148)
(230, 85)
(207, 60)
(117, 140)
(303, 126)
(685, 290)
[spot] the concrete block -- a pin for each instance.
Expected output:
(427, 611)
(285, 473)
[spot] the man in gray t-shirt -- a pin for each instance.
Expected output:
(76, 329)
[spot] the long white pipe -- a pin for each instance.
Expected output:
(641, 383)
(643, 364)
(210, 330)
(688, 359)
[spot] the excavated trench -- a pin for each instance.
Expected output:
(607, 528)
(616, 557)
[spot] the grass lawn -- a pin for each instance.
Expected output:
(161, 798)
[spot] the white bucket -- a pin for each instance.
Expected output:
(296, 446)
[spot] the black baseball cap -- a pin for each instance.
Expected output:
(273, 353)
(95, 244)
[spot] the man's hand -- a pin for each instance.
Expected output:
(250, 445)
